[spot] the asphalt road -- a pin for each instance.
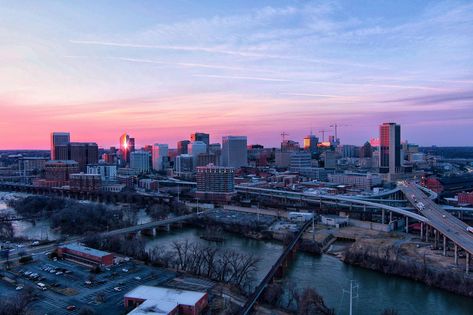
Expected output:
(447, 224)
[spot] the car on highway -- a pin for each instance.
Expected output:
(469, 229)
(420, 205)
(117, 289)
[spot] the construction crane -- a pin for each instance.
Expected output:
(335, 127)
(323, 131)
(283, 135)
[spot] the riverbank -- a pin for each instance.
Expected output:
(246, 225)
(402, 260)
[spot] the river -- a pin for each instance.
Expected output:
(329, 276)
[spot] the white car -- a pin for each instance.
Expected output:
(125, 270)
(18, 288)
(118, 289)
(137, 278)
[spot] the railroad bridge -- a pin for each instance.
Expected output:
(98, 196)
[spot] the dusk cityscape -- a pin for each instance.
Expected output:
(249, 157)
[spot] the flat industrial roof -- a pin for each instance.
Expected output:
(166, 298)
(80, 248)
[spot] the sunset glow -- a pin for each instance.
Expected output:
(160, 70)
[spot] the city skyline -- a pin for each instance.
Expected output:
(161, 70)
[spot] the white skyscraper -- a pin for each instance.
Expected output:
(195, 148)
(234, 151)
(159, 156)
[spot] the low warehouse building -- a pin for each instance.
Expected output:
(164, 301)
(85, 255)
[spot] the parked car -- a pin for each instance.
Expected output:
(71, 307)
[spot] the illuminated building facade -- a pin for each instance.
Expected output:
(389, 148)
(127, 145)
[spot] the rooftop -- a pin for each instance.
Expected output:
(161, 300)
(80, 248)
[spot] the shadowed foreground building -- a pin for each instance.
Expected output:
(85, 182)
(215, 183)
(57, 173)
(164, 301)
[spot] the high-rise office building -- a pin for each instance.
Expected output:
(59, 139)
(310, 143)
(204, 159)
(83, 153)
(160, 156)
(200, 136)
(215, 148)
(127, 145)
(62, 152)
(183, 164)
(182, 147)
(195, 149)
(389, 148)
(299, 160)
(139, 160)
(234, 151)
(215, 183)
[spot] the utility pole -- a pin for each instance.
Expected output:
(353, 286)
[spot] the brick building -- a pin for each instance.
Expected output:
(85, 255)
(85, 182)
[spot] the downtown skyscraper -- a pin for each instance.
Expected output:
(389, 148)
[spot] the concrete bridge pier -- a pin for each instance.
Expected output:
(455, 248)
(467, 263)
(390, 216)
(407, 224)
(382, 216)
(421, 231)
(444, 245)
(427, 231)
(436, 239)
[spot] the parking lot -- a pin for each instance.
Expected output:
(64, 287)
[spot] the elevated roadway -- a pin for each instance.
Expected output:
(443, 222)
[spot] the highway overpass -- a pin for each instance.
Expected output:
(443, 223)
